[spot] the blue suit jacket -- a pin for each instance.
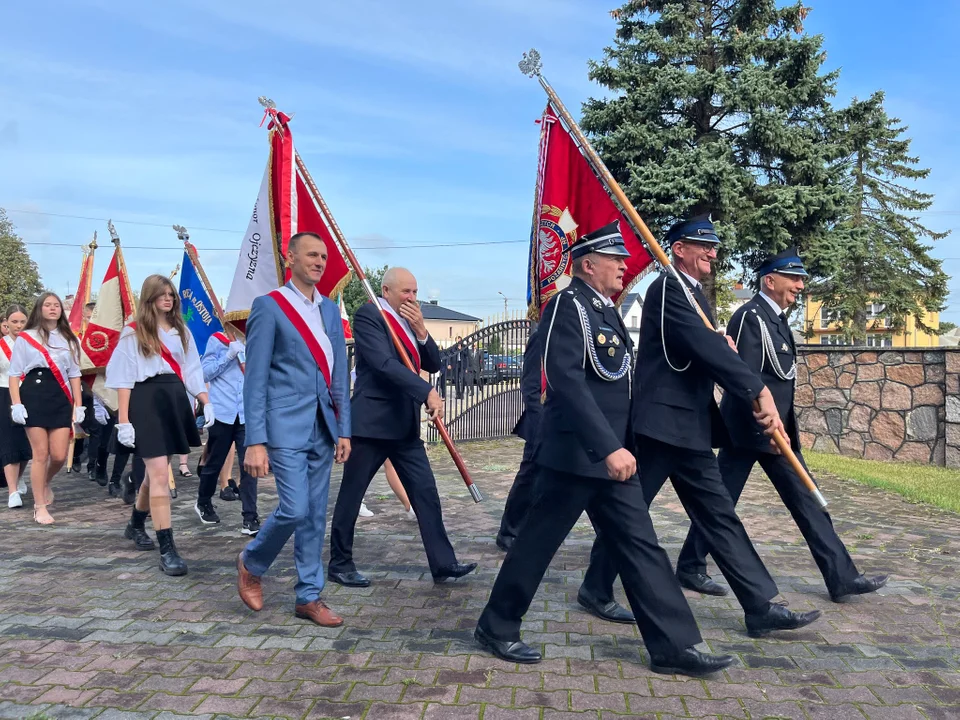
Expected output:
(284, 389)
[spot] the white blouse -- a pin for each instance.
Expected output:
(4, 363)
(26, 358)
(128, 366)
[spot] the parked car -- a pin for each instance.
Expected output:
(494, 369)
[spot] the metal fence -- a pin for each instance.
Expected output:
(479, 381)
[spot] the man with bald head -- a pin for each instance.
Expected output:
(385, 409)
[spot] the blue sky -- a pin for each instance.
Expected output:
(412, 117)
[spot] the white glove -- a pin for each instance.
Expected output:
(126, 435)
(79, 414)
(19, 414)
(100, 414)
(234, 349)
(208, 416)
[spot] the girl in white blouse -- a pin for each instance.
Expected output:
(47, 401)
(14, 446)
(153, 367)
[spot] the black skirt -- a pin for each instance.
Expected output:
(162, 418)
(47, 406)
(14, 446)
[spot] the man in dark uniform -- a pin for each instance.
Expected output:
(385, 409)
(677, 423)
(765, 343)
(585, 463)
(527, 427)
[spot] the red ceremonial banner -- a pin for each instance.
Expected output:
(83, 294)
(114, 308)
(571, 202)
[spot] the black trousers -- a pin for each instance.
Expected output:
(220, 436)
(520, 497)
(696, 479)
(119, 464)
(98, 448)
(619, 512)
(825, 545)
(410, 461)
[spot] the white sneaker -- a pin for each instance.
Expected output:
(410, 515)
(22, 486)
(14, 501)
(365, 511)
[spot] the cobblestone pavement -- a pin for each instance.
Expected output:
(89, 627)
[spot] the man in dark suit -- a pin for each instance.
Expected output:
(386, 404)
(585, 463)
(527, 427)
(765, 343)
(677, 423)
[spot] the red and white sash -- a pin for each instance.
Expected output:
(319, 345)
(54, 370)
(6, 349)
(226, 341)
(403, 330)
(166, 355)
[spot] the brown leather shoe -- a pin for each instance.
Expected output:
(248, 586)
(319, 613)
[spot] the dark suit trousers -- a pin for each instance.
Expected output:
(220, 436)
(521, 495)
(827, 548)
(98, 448)
(409, 459)
(620, 513)
(696, 479)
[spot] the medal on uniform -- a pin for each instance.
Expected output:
(785, 348)
(597, 304)
(615, 340)
(611, 352)
(602, 339)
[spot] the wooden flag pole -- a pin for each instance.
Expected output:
(531, 66)
(372, 297)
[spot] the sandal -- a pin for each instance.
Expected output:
(41, 516)
(185, 470)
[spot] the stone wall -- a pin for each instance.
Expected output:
(890, 404)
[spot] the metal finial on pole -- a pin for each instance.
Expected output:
(530, 65)
(175, 271)
(267, 103)
(93, 243)
(114, 237)
(182, 234)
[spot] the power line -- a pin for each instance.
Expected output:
(353, 247)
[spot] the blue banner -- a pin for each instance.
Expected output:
(197, 307)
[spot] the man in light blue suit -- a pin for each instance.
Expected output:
(297, 393)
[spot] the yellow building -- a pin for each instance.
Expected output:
(820, 329)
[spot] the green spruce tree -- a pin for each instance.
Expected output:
(354, 295)
(719, 106)
(19, 277)
(881, 249)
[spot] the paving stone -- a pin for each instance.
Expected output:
(132, 643)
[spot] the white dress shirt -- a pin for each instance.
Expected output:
(128, 366)
(26, 358)
(777, 310)
(309, 310)
(4, 363)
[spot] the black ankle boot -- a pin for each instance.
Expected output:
(135, 531)
(129, 495)
(113, 490)
(170, 561)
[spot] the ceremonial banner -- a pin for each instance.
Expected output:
(115, 307)
(570, 201)
(83, 290)
(284, 207)
(196, 305)
(347, 332)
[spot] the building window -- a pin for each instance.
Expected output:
(633, 321)
(879, 340)
(833, 340)
(875, 312)
(450, 328)
(826, 317)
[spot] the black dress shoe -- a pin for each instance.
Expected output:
(349, 579)
(611, 611)
(861, 585)
(518, 652)
(690, 661)
(504, 543)
(777, 617)
(701, 583)
(451, 572)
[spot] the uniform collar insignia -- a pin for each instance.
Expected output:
(597, 304)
